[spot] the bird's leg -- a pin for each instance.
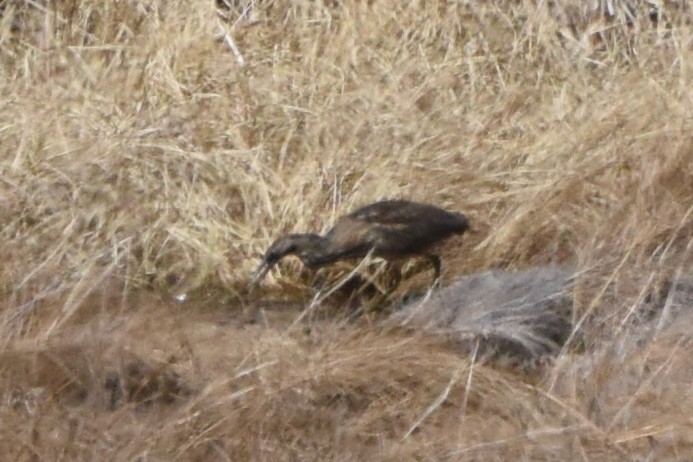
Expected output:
(394, 284)
(435, 261)
(379, 278)
(377, 301)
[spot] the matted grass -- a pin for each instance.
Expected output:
(141, 157)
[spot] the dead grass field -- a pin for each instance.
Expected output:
(141, 159)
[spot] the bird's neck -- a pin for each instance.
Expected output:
(314, 250)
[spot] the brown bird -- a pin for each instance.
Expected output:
(390, 229)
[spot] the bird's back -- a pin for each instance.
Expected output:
(403, 212)
(397, 228)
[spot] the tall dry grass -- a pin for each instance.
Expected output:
(139, 160)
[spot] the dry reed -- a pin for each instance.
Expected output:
(151, 149)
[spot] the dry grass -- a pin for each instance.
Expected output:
(139, 159)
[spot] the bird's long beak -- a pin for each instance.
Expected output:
(259, 273)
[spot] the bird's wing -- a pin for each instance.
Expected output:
(349, 238)
(393, 212)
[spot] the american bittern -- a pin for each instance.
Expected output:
(390, 229)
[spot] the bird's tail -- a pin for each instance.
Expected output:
(461, 223)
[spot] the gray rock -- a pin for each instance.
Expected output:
(523, 315)
(667, 310)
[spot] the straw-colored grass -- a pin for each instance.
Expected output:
(151, 149)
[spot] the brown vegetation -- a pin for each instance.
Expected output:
(151, 149)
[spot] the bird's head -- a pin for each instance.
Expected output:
(300, 245)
